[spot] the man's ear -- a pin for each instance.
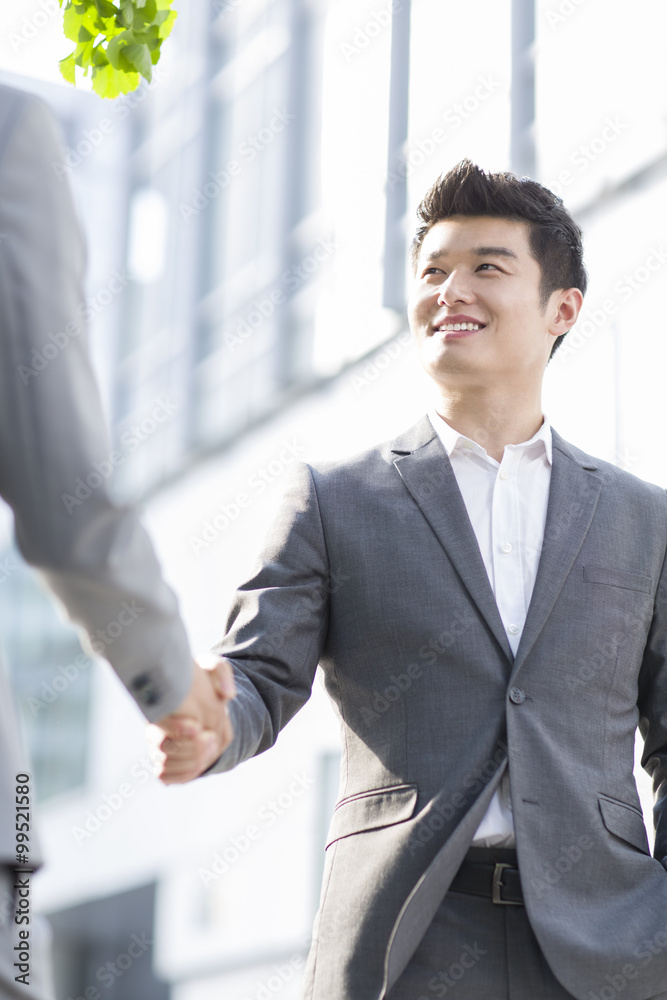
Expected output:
(563, 310)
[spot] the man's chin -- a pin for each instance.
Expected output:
(445, 367)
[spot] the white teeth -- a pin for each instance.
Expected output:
(459, 326)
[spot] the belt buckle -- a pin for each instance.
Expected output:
(497, 885)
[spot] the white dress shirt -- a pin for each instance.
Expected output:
(507, 506)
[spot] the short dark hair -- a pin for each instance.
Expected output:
(554, 237)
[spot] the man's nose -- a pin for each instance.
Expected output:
(455, 289)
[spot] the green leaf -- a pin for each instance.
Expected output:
(139, 57)
(99, 57)
(67, 68)
(129, 56)
(78, 16)
(127, 12)
(106, 9)
(71, 24)
(149, 11)
(111, 27)
(119, 39)
(166, 26)
(110, 82)
(114, 49)
(83, 54)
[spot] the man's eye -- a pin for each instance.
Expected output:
(432, 270)
(494, 266)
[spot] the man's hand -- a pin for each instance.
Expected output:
(198, 732)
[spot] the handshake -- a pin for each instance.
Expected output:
(198, 732)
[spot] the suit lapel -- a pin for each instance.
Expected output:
(573, 497)
(424, 467)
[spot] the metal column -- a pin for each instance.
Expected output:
(522, 149)
(393, 295)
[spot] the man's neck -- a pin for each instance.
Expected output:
(493, 420)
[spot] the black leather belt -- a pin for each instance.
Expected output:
(490, 873)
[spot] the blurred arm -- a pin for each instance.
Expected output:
(96, 557)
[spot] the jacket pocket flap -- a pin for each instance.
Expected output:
(372, 810)
(615, 578)
(624, 821)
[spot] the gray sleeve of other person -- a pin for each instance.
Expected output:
(94, 555)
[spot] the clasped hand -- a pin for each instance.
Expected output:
(197, 733)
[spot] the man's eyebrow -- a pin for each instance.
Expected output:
(477, 251)
(495, 252)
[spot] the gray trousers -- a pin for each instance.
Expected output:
(478, 950)
(39, 961)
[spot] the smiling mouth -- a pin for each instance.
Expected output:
(457, 327)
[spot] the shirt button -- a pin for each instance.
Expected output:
(506, 547)
(513, 629)
(503, 475)
(517, 696)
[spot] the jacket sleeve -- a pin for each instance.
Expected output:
(277, 625)
(652, 703)
(95, 556)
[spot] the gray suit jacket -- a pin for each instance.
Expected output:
(373, 571)
(97, 558)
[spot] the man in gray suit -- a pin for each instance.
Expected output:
(96, 557)
(487, 604)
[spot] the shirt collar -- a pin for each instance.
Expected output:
(452, 439)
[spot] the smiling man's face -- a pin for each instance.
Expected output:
(475, 307)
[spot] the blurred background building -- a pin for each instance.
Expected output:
(247, 217)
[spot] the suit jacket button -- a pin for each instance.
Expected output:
(145, 690)
(517, 696)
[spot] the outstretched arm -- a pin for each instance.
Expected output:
(95, 556)
(275, 636)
